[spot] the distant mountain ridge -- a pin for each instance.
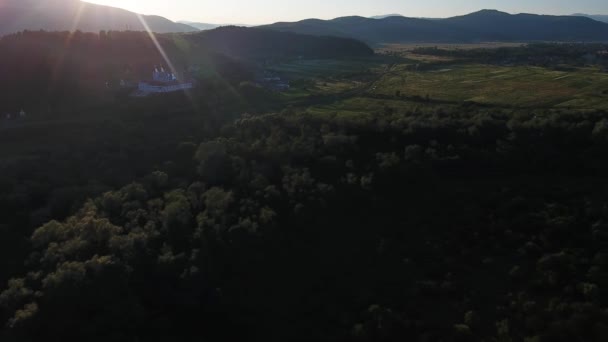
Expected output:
(386, 16)
(485, 25)
(598, 17)
(200, 26)
(62, 15)
(208, 26)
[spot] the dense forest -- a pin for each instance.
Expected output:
(431, 225)
(263, 44)
(224, 215)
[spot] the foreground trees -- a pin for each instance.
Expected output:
(462, 224)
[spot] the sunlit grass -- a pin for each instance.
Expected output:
(500, 85)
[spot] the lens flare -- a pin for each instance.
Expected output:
(61, 59)
(157, 44)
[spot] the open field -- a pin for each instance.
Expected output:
(313, 68)
(406, 50)
(500, 85)
(404, 47)
(503, 86)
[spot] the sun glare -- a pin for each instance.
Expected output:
(136, 6)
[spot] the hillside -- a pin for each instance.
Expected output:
(209, 26)
(495, 25)
(41, 64)
(386, 16)
(255, 43)
(70, 15)
(598, 17)
(200, 26)
(486, 25)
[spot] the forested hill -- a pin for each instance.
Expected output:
(441, 224)
(63, 15)
(58, 67)
(598, 17)
(255, 43)
(485, 25)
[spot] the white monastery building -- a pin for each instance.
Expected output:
(163, 82)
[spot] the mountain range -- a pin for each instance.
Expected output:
(208, 26)
(62, 15)
(598, 17)
(485, 25)
(200, 26)
(386, 16)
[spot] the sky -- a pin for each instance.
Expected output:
(256, 12)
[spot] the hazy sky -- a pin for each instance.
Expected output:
(268, 11)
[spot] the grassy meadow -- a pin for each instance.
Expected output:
(444, 81)
(520, 86)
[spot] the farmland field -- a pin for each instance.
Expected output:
(521, 86)
(499, 85)
(445, 46)
(332, 67)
